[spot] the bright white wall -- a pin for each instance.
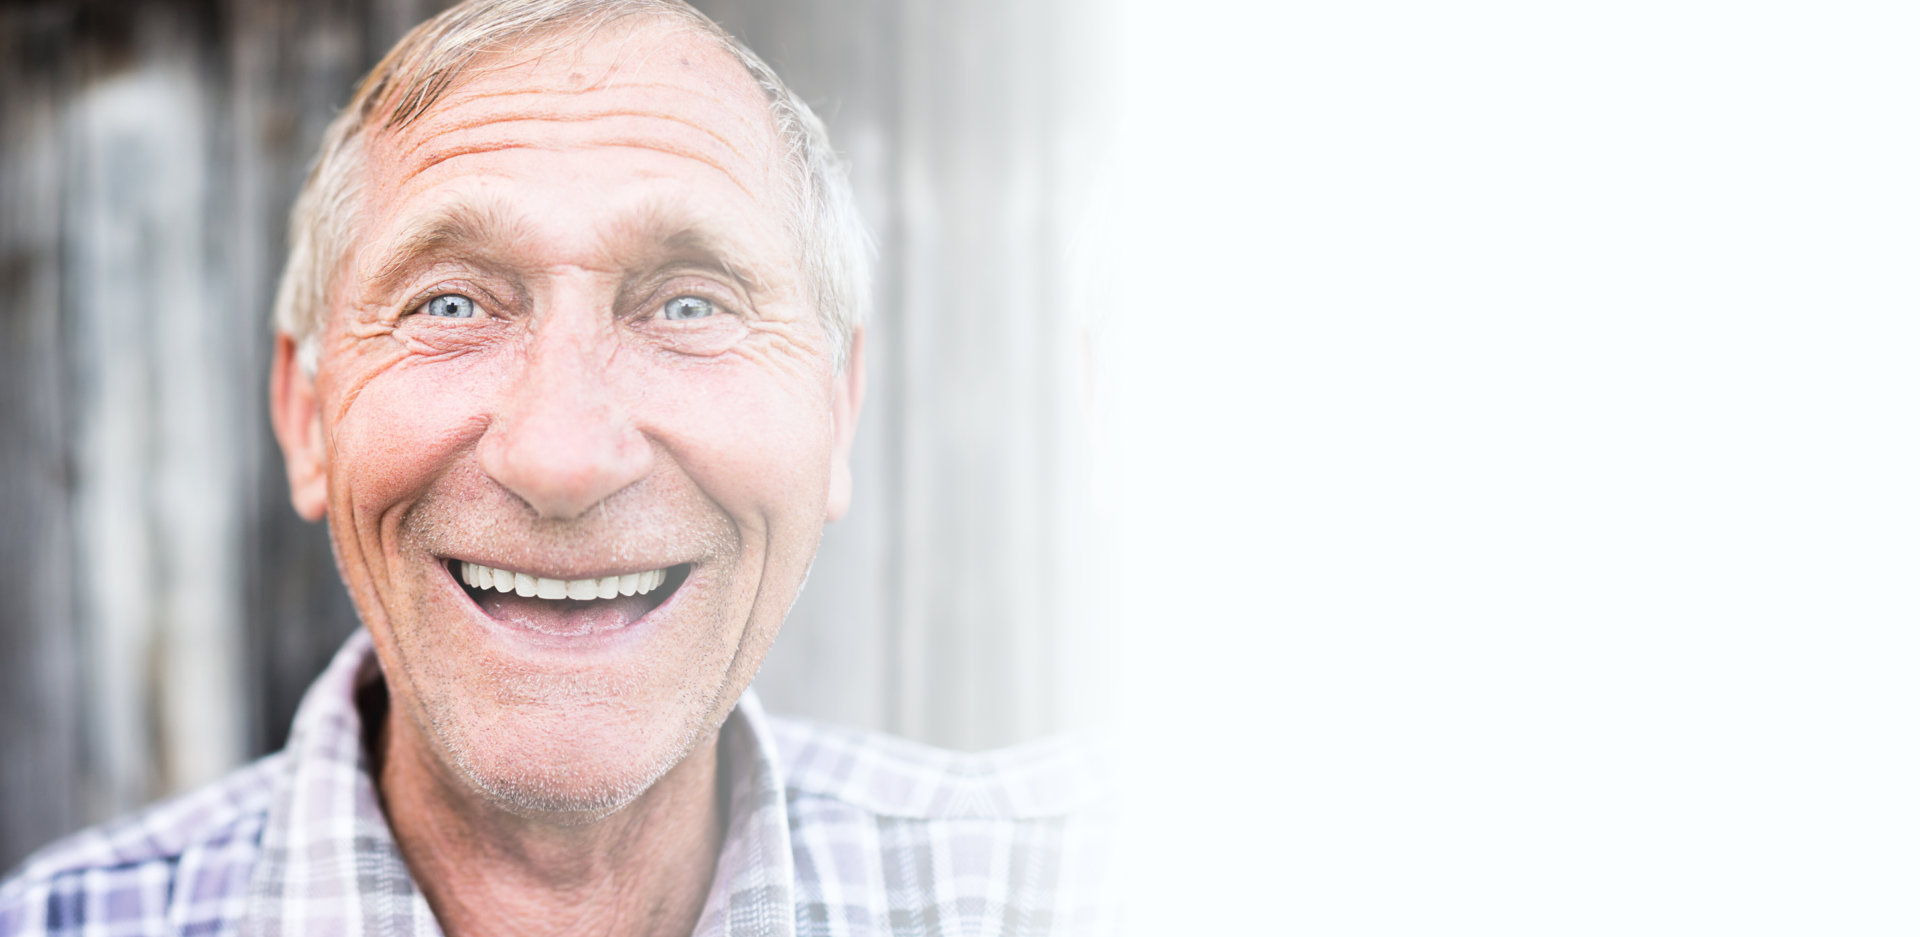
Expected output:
(1509, 426)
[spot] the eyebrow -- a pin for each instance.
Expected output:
(697, 244)
(488, 235)
(473, 233)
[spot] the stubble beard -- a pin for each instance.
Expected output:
(561, 791)
(573, 748)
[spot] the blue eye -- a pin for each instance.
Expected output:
(687, 307)
(450, 306)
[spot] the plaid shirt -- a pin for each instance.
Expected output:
(831, 832)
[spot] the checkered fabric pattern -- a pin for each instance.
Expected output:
(831, 832)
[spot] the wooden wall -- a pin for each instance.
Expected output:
(168, 608)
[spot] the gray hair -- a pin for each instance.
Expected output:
(834, 246)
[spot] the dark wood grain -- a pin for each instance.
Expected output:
(41, 773)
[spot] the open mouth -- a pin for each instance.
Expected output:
(567, 607)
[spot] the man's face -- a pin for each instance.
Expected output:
(573, 342)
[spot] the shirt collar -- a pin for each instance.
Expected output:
(329, 863)
(752, 891)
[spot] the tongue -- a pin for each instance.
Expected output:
(567, 617)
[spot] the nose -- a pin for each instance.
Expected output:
(560, 441)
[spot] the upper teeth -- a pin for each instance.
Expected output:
(605, 587)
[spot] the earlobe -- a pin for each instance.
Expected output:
(849, 386)
(296, 423)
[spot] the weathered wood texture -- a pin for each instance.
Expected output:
(170, 608)
(40, 701)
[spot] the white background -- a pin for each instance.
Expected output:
(1507, 416)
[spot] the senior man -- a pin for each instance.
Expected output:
(570, 362)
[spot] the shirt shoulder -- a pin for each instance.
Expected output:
(895, 836)
(179, 866)
(891, 776)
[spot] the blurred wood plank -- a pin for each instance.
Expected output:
(40, 707)
(984, 438)
(154, 397)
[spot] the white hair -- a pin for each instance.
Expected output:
(834, 246)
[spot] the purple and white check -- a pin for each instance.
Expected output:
(831, 831)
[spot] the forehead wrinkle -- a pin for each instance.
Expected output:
(468, 99)
(477, 149)
(476, 123)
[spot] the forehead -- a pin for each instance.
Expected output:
(648, 99)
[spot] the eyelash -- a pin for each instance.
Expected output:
(658, 310)
(655, 307)
(482, 302)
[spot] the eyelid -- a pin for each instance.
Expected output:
(725, 300)
(484, 304)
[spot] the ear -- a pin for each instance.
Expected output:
(849, 386)
(296, 423)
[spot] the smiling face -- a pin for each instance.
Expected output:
(575, 426)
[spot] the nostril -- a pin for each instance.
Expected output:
(561, 470)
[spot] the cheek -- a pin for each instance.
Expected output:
(405, 426)
(757, 442)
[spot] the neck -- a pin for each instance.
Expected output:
(642, 870)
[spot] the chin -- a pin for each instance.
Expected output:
(537, 766)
